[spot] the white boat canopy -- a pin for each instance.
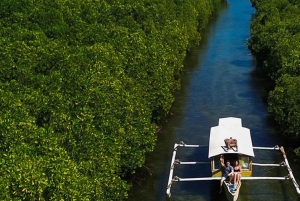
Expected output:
(230, 127)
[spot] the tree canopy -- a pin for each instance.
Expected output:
(275, 41)
(81, 84)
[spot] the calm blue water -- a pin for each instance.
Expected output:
(219, 81)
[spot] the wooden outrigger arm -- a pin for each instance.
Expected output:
(182, 144)
(285, 163)
(290, 170)
(173, 162)
(217, 178)
(276, 147)
(171, 170)
(189, 163)
(282, 164)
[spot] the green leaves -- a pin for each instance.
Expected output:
(284, 104)
(82, 84)
(275, 43)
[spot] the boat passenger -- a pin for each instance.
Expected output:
(237, 173)
(227, 172)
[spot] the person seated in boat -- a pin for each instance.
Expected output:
(237, 170)
(227, 172)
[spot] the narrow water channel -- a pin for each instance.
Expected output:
(219, 80)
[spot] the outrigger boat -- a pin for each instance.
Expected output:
(230, 141)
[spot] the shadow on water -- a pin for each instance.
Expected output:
(219, 80)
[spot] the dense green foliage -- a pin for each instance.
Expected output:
(81, 84)
(275, 41)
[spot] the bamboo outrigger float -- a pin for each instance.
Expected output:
(230, 141)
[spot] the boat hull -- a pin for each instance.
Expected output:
(231, 195)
